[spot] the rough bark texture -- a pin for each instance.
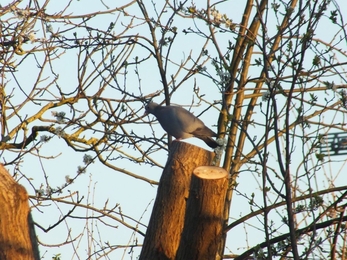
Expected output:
(17, 233)
(203, 225)
(166, 223)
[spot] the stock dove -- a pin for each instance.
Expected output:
(181, 124)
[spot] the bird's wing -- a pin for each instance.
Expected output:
(203, 131)
(180, 123)
(187, 120)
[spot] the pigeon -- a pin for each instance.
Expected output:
(181, 124)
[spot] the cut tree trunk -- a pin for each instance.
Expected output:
(17, 233)
(166, 223)
(203, 225)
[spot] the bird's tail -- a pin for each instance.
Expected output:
(209, 141)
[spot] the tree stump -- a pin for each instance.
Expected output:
(203, 225)
(166, 223)
(17, 233)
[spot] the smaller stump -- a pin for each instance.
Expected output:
(203, 227)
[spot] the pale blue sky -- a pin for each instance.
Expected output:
(100, 184)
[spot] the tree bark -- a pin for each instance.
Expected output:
(17, 233)
(203, 225)
(166, 223)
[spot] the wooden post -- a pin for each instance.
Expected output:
(17, 233)
(203, 225)
(166, 223)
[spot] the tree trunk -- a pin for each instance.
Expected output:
(203, 225)
(17, 233)
(166, 223)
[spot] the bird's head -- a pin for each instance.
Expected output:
(150, 108)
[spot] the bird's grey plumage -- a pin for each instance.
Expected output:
(181, 124)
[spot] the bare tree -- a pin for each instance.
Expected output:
(74, 82)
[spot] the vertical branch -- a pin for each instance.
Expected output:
(158, 54)
(244, 43)
(229, 93)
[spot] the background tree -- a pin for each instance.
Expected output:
(74, 79)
